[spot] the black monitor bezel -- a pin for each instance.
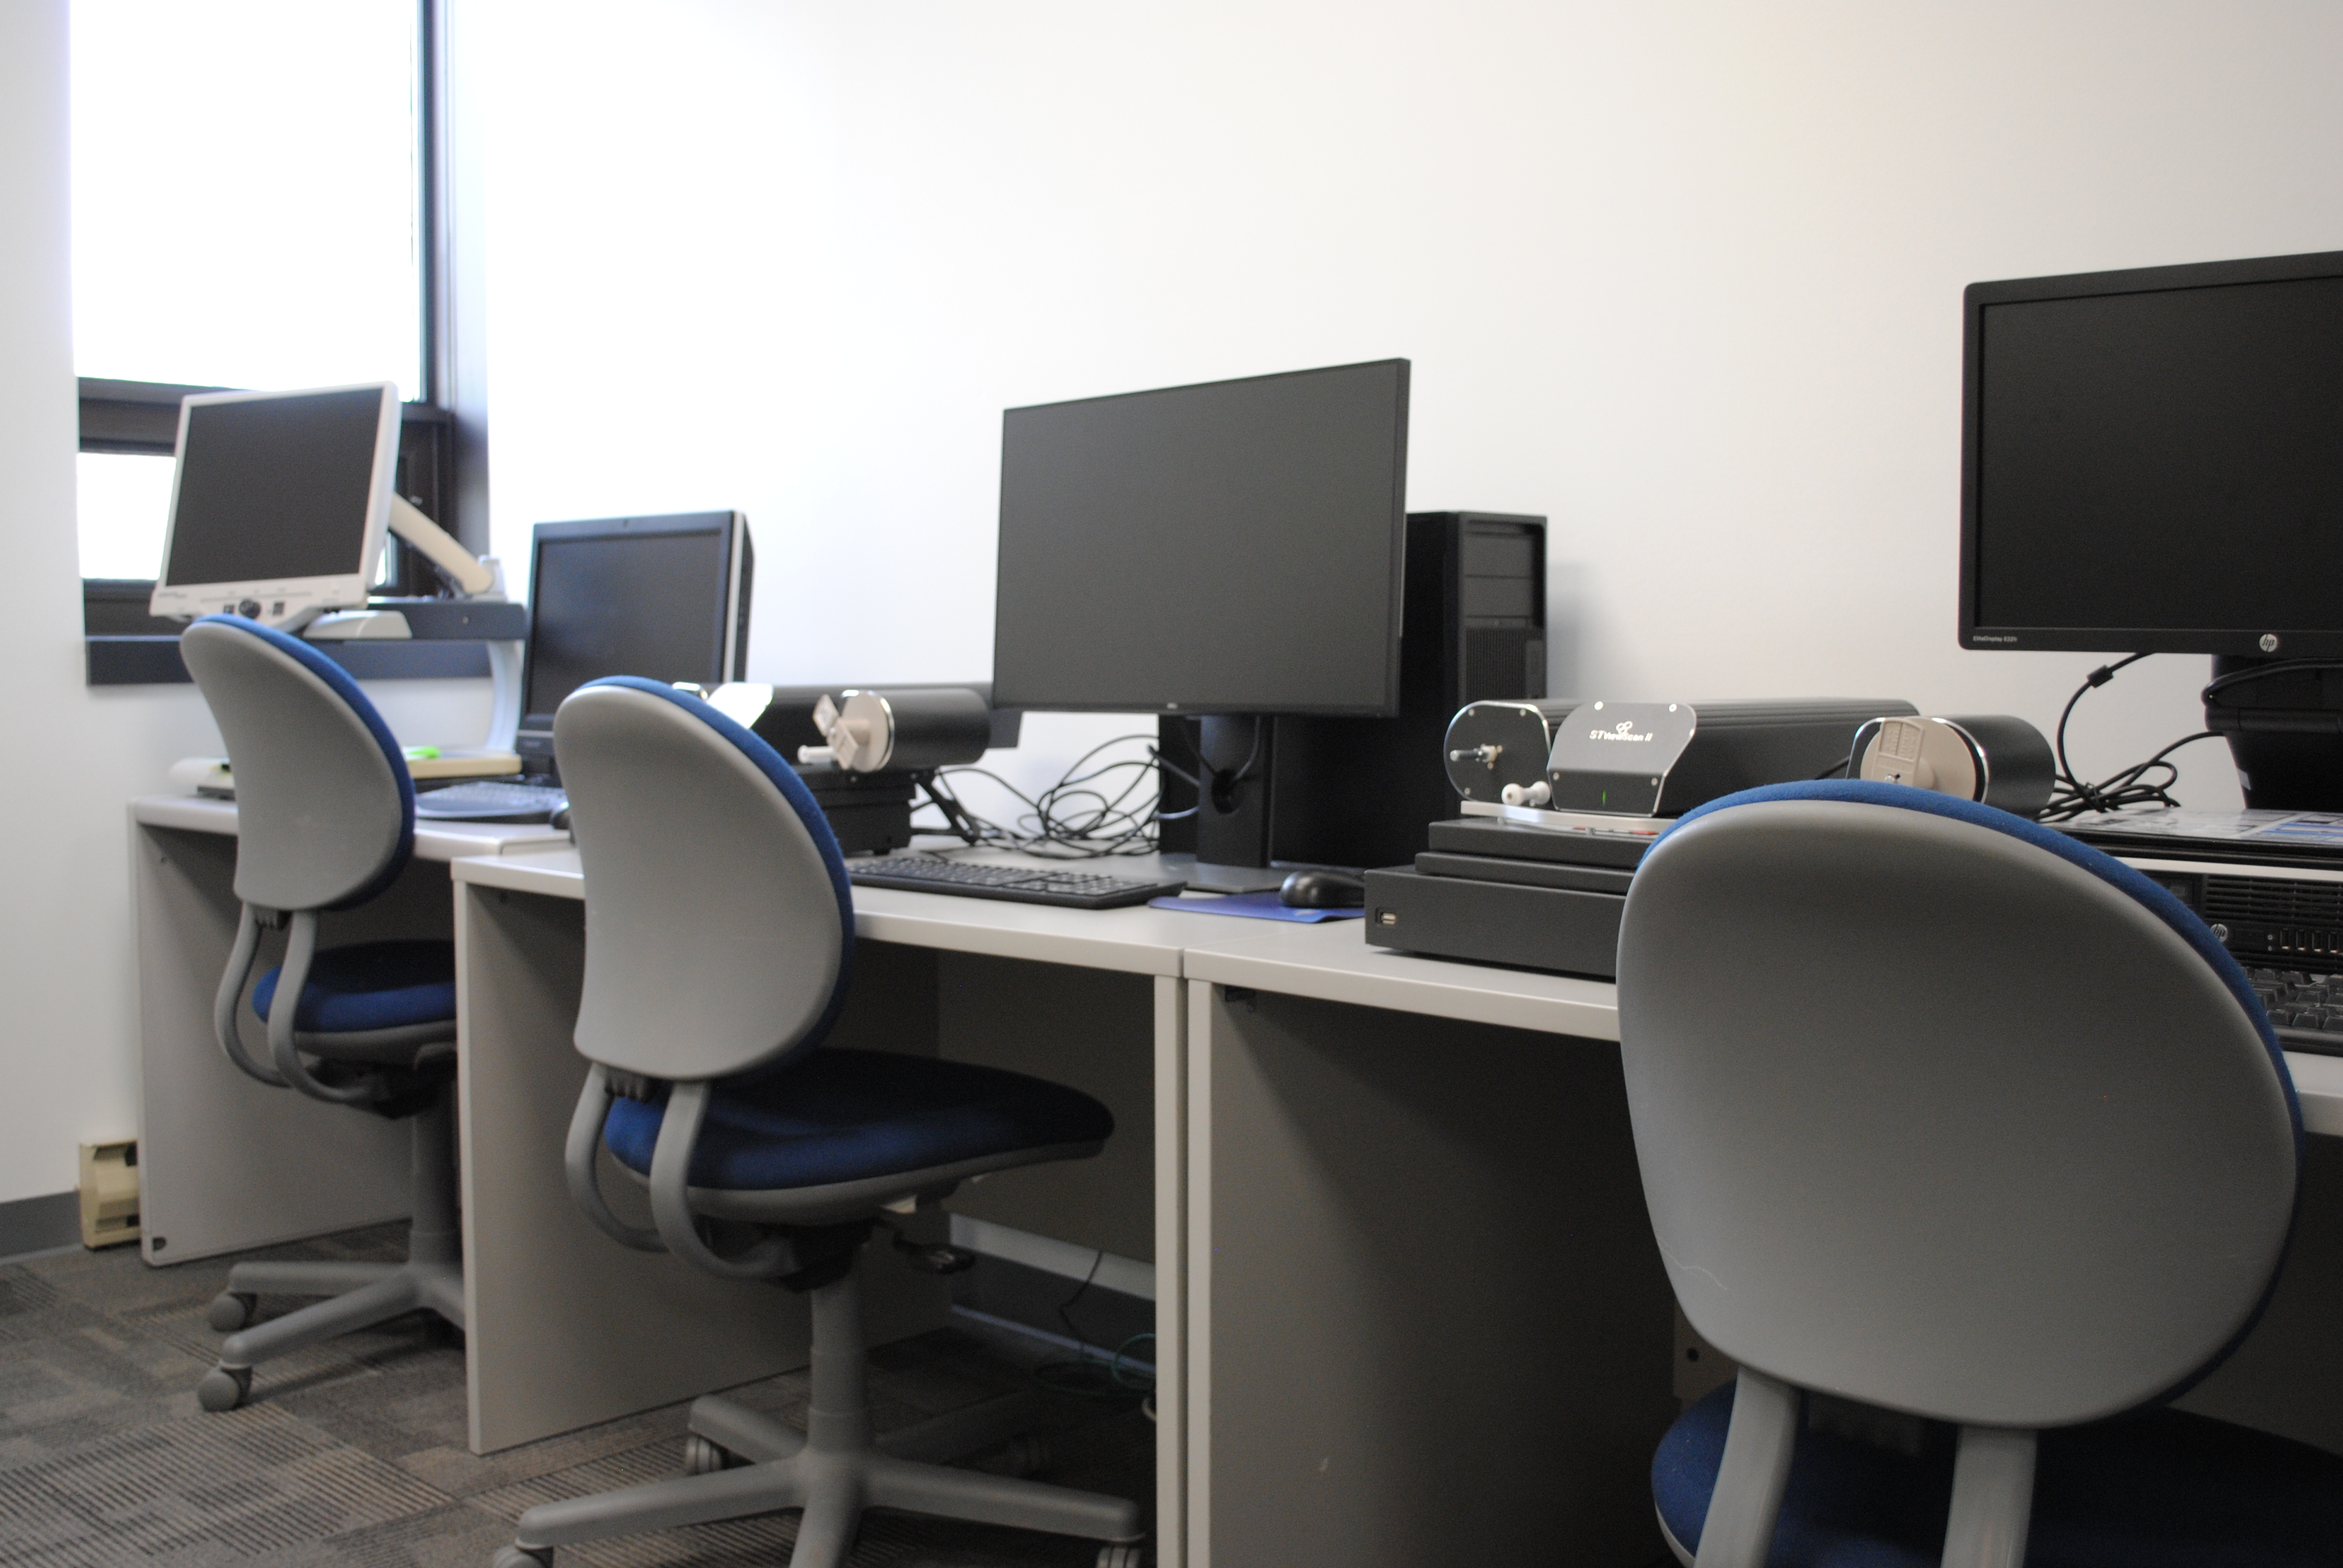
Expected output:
(1395, 610)
(725, 525)
(1975, 299)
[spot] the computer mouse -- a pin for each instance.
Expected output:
(1322, 890)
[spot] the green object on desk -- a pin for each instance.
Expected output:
(422, 754)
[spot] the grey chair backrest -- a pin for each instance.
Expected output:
(719, 920)
(1942, 1112)
(324, 807)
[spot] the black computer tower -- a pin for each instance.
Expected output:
(1359, 791)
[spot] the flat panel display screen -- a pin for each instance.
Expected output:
(2155, 461)
(1230, 547)
(607, 600)
(274, 487)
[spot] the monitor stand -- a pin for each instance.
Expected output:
(1203, 877)
(1344, 793)
(2285, 735)
(1232, 825)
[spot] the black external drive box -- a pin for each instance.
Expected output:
(1496, 893)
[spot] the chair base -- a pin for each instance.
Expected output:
(361, 1294)
(832, 1471)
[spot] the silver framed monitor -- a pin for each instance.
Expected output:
(279, 502)
(665, 598)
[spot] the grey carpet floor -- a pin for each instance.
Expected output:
(352, 1454)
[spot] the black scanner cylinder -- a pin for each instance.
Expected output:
(916, 729)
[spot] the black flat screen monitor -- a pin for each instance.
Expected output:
(1232, 547)
(664, 597)
(2152, 461)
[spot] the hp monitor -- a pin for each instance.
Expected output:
(664, 597)
(2152, 461)
(1234, 547)
(279, 502)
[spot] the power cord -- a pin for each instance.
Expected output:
(1089, 813)
(1095, 1373)
(2072, 797)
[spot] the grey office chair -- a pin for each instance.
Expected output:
(1973, 1147)
(720, 928)
(326, 820)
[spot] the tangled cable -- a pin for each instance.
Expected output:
(1089, 813)
(2074, 797)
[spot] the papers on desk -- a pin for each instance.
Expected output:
(2312, 829)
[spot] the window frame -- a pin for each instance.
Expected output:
(443, 435)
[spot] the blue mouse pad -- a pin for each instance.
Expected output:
(1263, 906)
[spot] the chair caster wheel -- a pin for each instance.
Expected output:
(1028, 1454)
(224, 1388)
(230, 1311)
(701, 1457)
(1122, 1555)
(523, 1557)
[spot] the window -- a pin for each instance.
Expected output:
(248, 178)
(124, 498)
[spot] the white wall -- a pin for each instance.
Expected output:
(1685, 278)
(44, 934)
(68, 1049)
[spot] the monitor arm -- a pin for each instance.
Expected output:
(474, 578)
(440, 547)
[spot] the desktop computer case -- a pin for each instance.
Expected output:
(1359, 791)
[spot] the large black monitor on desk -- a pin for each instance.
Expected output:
(665, 597)
(1234, 547)
(2152, 461)
(1233, 550)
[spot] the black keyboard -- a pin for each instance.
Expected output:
(2307, 1010)
(1020, 884)
(489, 800)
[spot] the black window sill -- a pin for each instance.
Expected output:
(154, 660)
(128, 646)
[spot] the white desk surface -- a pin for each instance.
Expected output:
(1135, 941)
(433, 841)
(1331, 962)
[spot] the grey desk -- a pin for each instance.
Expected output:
(1407, 1305)
(227, 1163)
(1426, 1321)
(566, 1329)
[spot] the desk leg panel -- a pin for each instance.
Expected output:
(567, 1328)
(1430, 1324)
(1171, 1286)
(2286, 1377)
(225, 1162)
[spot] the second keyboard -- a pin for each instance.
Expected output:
(2307, 1010)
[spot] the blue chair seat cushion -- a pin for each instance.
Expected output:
(2154, 1489)
(833, 1116)
(369, 986)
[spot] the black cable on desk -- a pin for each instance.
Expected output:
(1085, 815)
(2074, 797)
